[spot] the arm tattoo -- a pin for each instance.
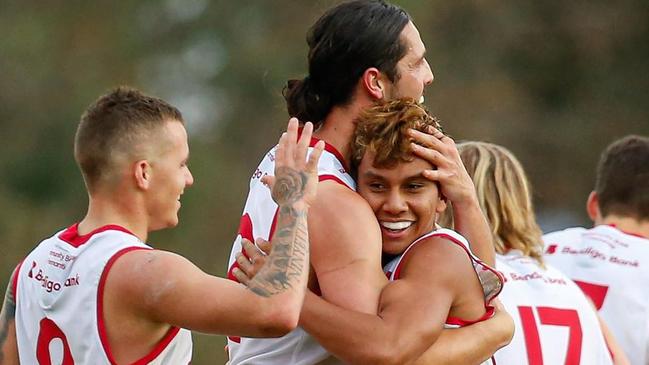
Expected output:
(290, 244)
(7, 315)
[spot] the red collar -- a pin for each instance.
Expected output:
(625, 232)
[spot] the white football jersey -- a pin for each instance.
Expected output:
(490, 279)
(59, 298)
(555, 323)
(612, 268)
(259, 218)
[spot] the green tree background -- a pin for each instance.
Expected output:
(554, 81)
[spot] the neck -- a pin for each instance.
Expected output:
(103, 211)
(338, 128)
(627, 225)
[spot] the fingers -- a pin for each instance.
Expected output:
(263, 245)
(252, 251)
(241, 276)
(434, 139)
(269, 181)
(280, 152)
(435, 157)
(244, 264)
(291, 135)
(312, 165)
(303, 144)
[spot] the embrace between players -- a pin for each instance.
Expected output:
(385, 175)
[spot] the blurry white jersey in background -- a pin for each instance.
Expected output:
(612, 268)
(555, 323)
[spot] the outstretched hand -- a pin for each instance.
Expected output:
(296, 179)
(440, 150)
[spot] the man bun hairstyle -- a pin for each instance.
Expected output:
(347, 40)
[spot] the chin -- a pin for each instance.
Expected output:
(394, 248)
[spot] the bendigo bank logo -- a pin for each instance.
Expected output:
(46, 283)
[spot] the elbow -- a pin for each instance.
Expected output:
(386, 355)
(279, 319)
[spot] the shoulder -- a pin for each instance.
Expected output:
(136, 273)
(338, 203)
(437, 256)
(564, 234)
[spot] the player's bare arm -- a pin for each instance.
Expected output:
(411, 314)
(457, 186)
(471, 345)
(618, 355)
(344, 253)
(346, 248)
(289, 256)
(149, 290)
(8, 346)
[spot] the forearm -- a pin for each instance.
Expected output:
(471, 344)
(358, 338)
(470, 222)
(286, 267)
(619, 358)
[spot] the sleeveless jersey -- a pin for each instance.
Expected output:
(59, 299)
(259, 218)
(612, 268)
(555, 323)
(490, 280)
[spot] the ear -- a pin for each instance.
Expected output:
(373, 83)
(592, 207)
(142, 174)
(441, 204)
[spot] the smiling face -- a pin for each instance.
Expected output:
(413, 70)
(169, 176)
(405, 203)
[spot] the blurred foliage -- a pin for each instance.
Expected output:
(554, 81)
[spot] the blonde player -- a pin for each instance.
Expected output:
(555, 323)
(96, 293)
(610, 262)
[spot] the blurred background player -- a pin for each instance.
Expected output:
(360, 52)
(610, 262)
(95, 293)
(555, 323)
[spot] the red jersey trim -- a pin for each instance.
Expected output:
(14, 281)
(72, 237)
(455, 320)
(331, 149)
(463, 322)
(101, 326)
(625, 232)
(335, 178)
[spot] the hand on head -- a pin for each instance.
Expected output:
(440, 150)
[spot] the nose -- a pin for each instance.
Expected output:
(189, 178)
(429, 74)
(395, 204)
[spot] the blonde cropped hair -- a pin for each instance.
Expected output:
(504, 195)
